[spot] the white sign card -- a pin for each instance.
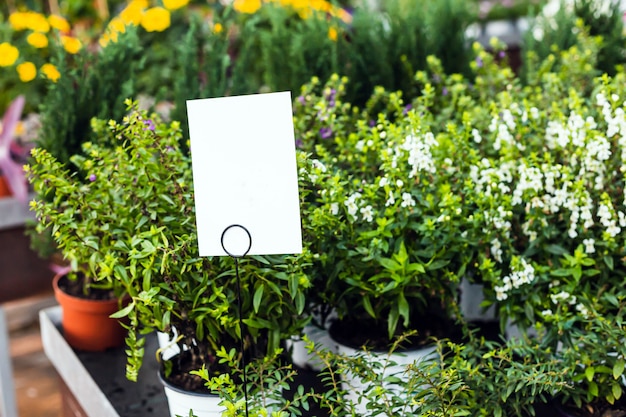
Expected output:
(245, 173)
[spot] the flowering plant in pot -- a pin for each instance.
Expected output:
(393, 230)
(555, 258)
(137, 192)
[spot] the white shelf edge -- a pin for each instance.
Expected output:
(70, 368)
(14, 213)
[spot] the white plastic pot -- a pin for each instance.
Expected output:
(354, 385)
(180, 402)
(301, 357)
(471, 296)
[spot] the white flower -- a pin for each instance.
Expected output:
(563, 295)
(501, 294)
(546, 313)
(589, 245)
(476, 135)
(496, 250)
(368, 213)
(350, 203)
(407, 200)
(399, 183)
(534, 112)
(383, 181)
(318, 165)
(334, 209)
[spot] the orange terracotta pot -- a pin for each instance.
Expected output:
(4, 187)
(86, 323)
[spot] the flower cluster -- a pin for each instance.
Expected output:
(303, 8)
(384, 213)
(32, 33)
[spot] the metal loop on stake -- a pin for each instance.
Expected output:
(249, 241)
(241, 328)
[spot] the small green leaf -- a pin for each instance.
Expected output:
(123, 312)
(258, 296)
(609, 262)
(590, 372)
(618, 368)
(368, 306)
(617, 390)
(403, 308)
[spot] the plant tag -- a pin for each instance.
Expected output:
(245, 175)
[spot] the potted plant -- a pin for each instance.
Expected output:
(87, 296)
(553, 260)
(390, 225)
(136, 192)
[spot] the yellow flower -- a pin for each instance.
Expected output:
(17, 20)
(51, 72)
(174, 4)
(37, 39)
(133, 12)
(71, 45)
(117, 25)
(156, 19)
(29, 20)
(26, 71)
(59, 23)
(332, 34)
(247, 6)
(218, 28)
(321, 5)
(8, 54)
(108, 37)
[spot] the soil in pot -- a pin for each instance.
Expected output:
(185, 362)
(196, 355)
(86, 322)
(357, 332)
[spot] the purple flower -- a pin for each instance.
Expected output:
(501, 54)
(92, 177)
(372, 123)
(12, 171)
(301, 100)
(479, 62)
(406, 109)
(326, 132)
(444, 91)
(149, 124)
(299, 143)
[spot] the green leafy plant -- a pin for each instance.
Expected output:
(388, 220)
(89, 86)
(555, 29)
(267, 382)
(549, 199)
(127, 215)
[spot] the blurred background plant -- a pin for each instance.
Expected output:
(556, 28)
